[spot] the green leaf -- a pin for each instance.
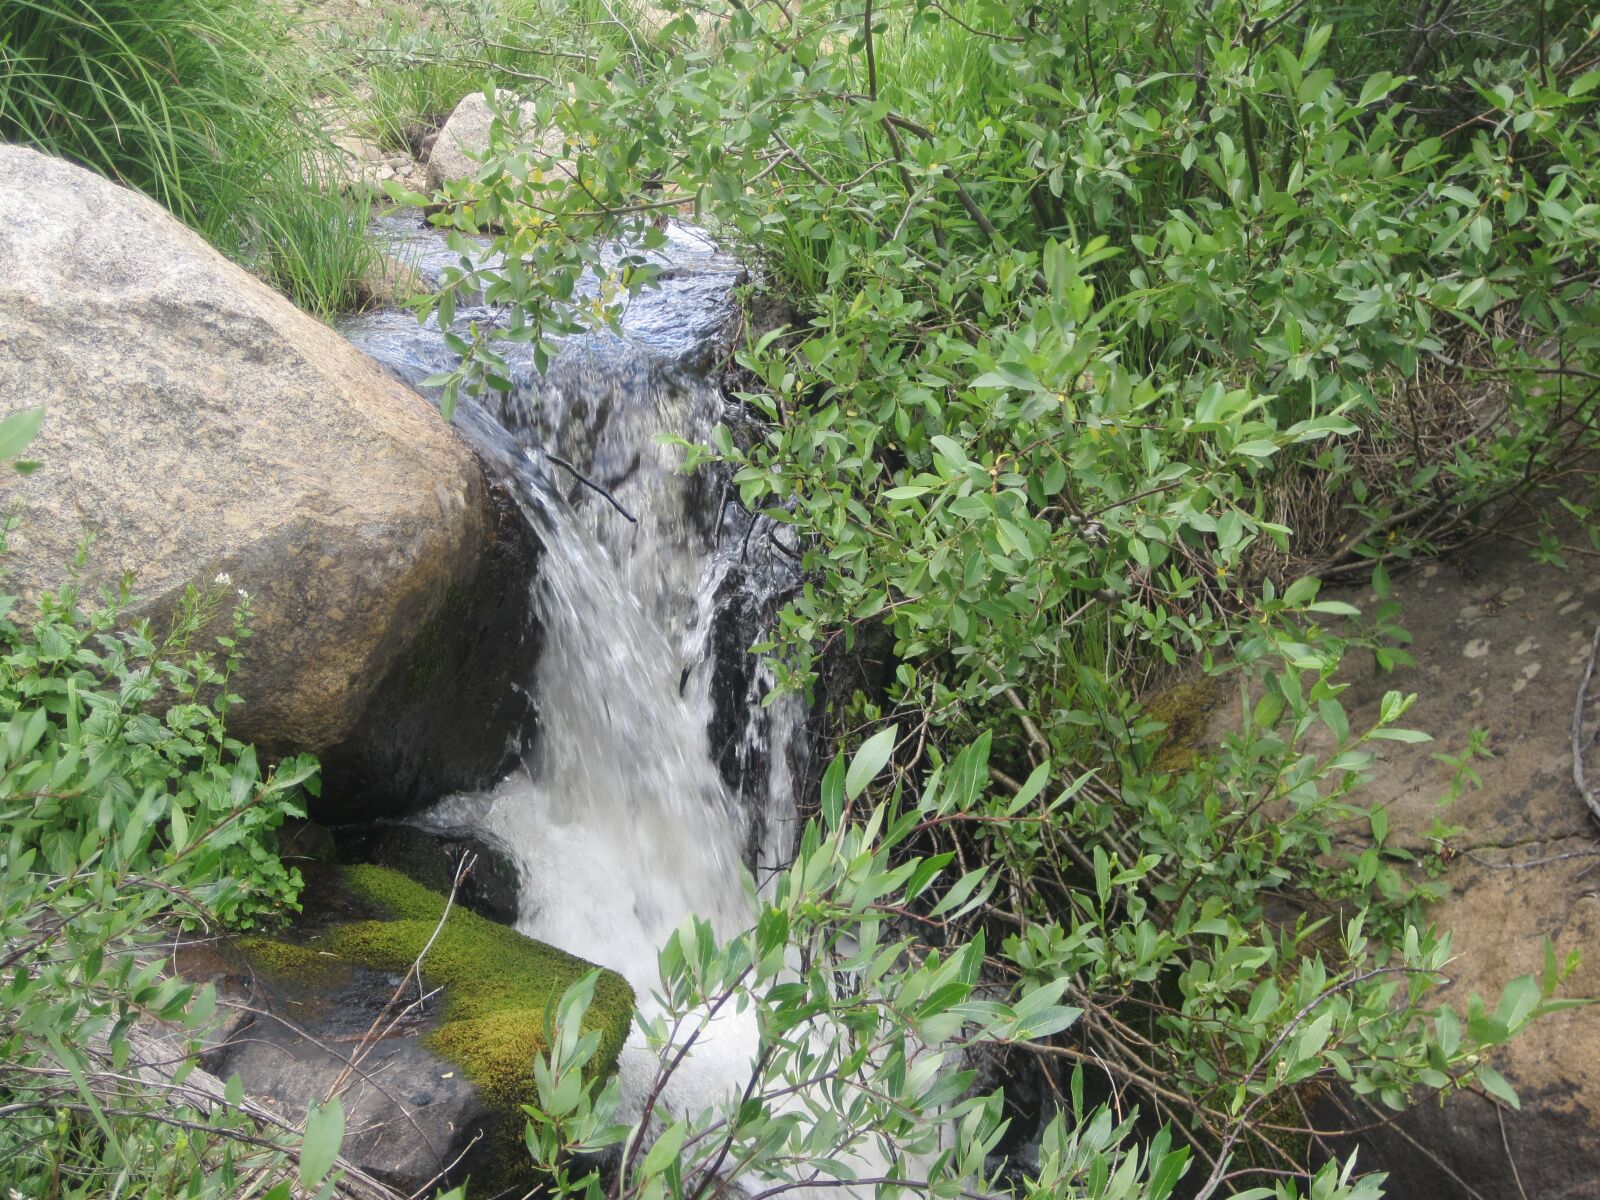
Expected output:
(1409, 736)
(17, 430)
(203, 1007)
(1518, 1001)
(1495, 1084)
(1260, 448)
(1337, 608)
(323, 1139)
(1375, 88)
(665, 1150)
(869, 760)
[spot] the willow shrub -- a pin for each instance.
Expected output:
(1118, 326)
(199, 105)
(125, 806)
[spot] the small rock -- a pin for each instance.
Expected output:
(389, 283)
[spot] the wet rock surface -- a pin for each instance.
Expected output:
(433, 858)
(451, 712)
(431, 1068)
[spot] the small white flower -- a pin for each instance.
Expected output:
(243, 595)
(223, 579)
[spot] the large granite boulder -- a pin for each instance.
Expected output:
(198, 427)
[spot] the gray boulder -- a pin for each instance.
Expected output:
(464, 140)
(198, 427)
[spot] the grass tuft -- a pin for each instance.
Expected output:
(197, 104)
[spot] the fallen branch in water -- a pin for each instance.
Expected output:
(591, 485)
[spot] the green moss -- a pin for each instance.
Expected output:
(497, 984)
(292, 963)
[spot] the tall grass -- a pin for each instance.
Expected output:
(194, 103)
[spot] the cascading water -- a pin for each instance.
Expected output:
(658, 775)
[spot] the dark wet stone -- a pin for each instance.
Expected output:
(453, 712)
(489, 889)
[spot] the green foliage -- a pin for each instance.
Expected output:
(120, 735)
(197, 104)
(124, 805)
(408, 69)
(1119, 329)
(869, 1039)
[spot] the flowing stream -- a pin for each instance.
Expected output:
(658, 776)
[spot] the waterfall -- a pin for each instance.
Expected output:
(658, 775)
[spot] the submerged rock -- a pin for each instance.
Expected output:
(438, 1090)
(199, 428)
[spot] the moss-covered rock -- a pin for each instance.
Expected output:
(463, 1067)
(291, 963)
(497, 982)
(492, 888)
(1185, 708)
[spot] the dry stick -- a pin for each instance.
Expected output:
(427, 1188)
(591, 485)
(1584, 790)
(414, 970)
(1500, 1116)
(1536, 862)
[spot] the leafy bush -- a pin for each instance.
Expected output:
(125, 807)
(85, 757)
(1118, 329)
(195, 104)
(871, 1037)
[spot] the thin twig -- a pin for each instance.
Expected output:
(1516, 1175)
(591, 485)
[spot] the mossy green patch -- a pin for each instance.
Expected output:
(1185, 709)
(293, 963)
(497, 985)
